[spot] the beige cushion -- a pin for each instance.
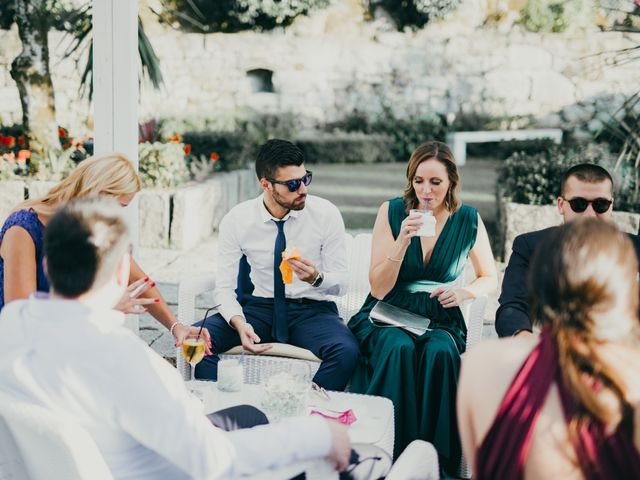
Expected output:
(280, 350)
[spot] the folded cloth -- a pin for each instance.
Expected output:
(346, 418)
(285, 268)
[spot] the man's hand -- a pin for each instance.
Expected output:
(181, 331)
(304, 269)
(250, 341)
(523, 333)
(340, 445)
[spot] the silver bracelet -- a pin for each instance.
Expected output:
(174, 326)
(394, 259)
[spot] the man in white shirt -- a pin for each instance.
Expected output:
(71, 354)
(299, 313)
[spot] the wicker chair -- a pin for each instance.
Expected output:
(279, 357)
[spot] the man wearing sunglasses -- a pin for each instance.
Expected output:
(261, 309)
(586, 191)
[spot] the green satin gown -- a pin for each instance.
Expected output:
(420, 375)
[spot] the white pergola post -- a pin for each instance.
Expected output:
(115, 85)
(115, 91)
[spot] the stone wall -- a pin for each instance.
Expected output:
(178, 218)
(327, 64)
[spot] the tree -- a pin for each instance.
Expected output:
(30, 70)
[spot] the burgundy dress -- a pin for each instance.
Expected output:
(504, 450)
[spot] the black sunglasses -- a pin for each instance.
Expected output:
(294, 185)
(579, 204)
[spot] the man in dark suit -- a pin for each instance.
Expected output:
(586, 191)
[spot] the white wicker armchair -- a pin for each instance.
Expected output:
(280, 356)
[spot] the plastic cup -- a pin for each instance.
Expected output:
(428, 227)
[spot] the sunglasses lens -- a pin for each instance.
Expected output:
(307, 179)
(578, 205)
(294, 185)
(601, 205)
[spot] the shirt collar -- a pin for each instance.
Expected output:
(267, 217)
(42, 306)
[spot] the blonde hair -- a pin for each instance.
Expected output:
(108, 174)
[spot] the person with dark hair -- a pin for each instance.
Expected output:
(586, 191)
(565, 404)
(71, 354)
(420, 375)
(300, 311)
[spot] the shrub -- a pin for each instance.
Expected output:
(230, 16)
(545, 16)
(535, 179)
(162, 164)
(231, 147)
(414, 13)
(406, 133)
(345, 147)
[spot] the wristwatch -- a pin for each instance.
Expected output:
(318, 280)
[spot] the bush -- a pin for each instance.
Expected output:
(414, 13)
(545, 16)
(230, 16)
(406, 133)
(162, 164)
(535, 179)
(345, 148)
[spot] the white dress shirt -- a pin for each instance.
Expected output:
(248, 229)
(86, 367)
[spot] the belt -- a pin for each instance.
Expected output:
(302, 301)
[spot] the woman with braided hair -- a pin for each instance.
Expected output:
(564, 404)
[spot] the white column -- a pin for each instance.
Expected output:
(115, 91)
(115, 84)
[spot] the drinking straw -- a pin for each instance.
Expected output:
(206, 314)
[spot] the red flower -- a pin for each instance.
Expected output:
(9, 141)
(62, 133)
(176, 138)
(66, 145)
(187, 149)
(21, 141)
(214, 157)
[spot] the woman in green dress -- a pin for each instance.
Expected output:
(420, 375)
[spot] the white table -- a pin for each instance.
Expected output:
(374, 424)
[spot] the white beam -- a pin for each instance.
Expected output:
(115, 91)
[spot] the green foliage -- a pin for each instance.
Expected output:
(414, 14)
(162, 164)
(345, 147)
(534, 179)
(205, 16)
(406, 133)
(545, 16)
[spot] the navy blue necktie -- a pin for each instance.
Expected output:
(280, 329)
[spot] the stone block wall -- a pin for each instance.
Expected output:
(331, 62)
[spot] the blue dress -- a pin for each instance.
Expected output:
(27, 219)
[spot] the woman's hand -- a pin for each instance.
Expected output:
(450, 297)
(130, 303)
(180, 332)
(409, 227)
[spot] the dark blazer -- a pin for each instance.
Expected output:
(513, 313)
